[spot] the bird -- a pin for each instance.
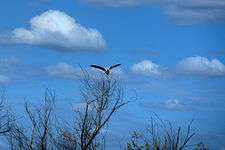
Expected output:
(106, 70)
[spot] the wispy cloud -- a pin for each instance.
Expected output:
(170, 104)
(12, 70)
(117, 3)
(69, 71)
(173, 104)
(58, 30)
(4, 79)
(8, 61)
(62, 70)
(195, 11)
(182, 12)
(201, 66)
(5, 65)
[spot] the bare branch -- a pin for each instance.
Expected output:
(37, 135)
(101, 98)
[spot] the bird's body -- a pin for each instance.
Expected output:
(106, 70)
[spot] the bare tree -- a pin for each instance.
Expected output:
(101, 98)
(37, 135)
(5, 118)
(161, 136)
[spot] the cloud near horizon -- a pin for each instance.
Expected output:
(56, 29)
(201, 66)
(182, 12)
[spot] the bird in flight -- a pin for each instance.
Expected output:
(106, 70)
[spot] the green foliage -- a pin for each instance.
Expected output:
(200, 146)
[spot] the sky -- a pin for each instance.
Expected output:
(172, 54)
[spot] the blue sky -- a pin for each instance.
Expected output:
(172, 55)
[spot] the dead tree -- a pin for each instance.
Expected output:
(102, 96)
(161, 136)
(5, 118)
(36, 134)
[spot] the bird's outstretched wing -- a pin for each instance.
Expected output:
(99, 67)
(114, 66)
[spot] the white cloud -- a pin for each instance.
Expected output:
(4, 80)
(146, 67)
(58, 30)
(67, 71)
(201, 66)
(183, 12)
(62, 70)
(172, 104)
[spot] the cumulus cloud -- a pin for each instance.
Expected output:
(183, 12)
(201, 66)
(62, 70)
(147, 68)
(4, 80)
(58, 30)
